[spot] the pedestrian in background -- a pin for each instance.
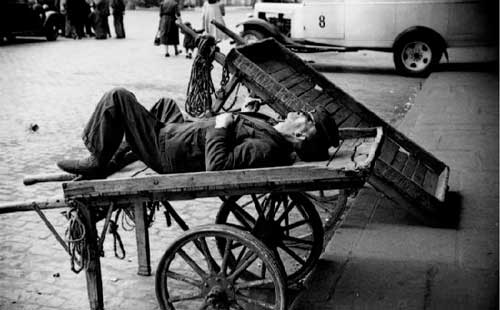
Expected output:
(87, 16)
(75, 10)
(189, 41)
(100, 19)
(169, 32)
(213, 10)
(118, 7)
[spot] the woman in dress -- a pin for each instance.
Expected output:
(213, 10)
(169, 32)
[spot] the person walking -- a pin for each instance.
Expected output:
(213, 10)
(100, 19)
(75, 10)
(87, 16)
(169, 31)
(118, 7)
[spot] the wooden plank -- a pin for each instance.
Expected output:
(442, 184)
(294, 79)
(305, 175)
(301, 88)
(93, 268)
(283, 74)
(332, 107)
(352, 121)
(388, 151)
(430, 181)
(271, 65)
(323, 100)
(428, 215)
(310, 95)
(406, 187)
(410, 166)
(399, 160)
(419, 174)
(142, 240)
(341, 115)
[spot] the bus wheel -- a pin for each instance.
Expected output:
(416, 54)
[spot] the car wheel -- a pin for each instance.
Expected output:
(251, 35)
(51, 31)
(416, 54)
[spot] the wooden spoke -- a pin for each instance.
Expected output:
(225, 256)
(192, 263)
(241, 215)
(251, 284)
(258, 206)
(236, 306)
(293, 254)
(249, 258)
(263, 271)
(295, 225)
(256, 302)
(202, 245)
(287, 210)
(246, 204)
(184, 278)
(296, 240)
(187, 296)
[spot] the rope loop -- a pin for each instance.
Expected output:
(201, 87)
(75, 238)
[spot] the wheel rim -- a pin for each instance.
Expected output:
(193, 274)
(416, 56)
(288, 224)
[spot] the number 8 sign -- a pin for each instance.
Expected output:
(322, 22)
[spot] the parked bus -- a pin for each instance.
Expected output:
(417, 32)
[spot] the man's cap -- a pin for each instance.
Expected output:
(326, 127)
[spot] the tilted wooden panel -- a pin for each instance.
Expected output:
(342, 107)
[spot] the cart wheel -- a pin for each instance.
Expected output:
(193, 274)
(287, 223)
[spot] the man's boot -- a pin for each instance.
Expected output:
(87, 166)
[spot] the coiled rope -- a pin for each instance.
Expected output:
(201, 87)
(75, 238)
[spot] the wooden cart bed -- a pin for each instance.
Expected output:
(404, 171)
(350, 167)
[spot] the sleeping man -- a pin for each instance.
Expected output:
(166, 143)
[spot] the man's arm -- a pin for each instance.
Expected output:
(222, 154)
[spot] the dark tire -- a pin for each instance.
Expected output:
(287, 223)
(193, 274)
(252, 35)
(417, 54)
(51, 31)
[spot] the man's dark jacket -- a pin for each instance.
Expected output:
(250, 142)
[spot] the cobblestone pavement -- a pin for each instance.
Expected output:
(55, 86)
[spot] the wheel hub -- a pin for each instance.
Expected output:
(218, 291)
(268, 231)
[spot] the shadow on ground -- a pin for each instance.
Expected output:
(443, 67)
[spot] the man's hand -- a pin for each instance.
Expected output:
(224, 120)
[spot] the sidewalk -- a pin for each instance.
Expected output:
(382, 259)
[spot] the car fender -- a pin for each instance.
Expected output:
(52, 17)
(266, 28)
(436, 37)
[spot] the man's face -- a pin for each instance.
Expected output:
(300, 124)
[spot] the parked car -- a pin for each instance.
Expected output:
(417, 32)
(28, 18)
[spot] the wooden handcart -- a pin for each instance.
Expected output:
(268, 233)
